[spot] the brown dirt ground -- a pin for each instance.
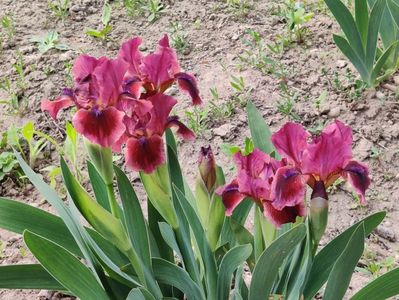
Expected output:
(214, 35)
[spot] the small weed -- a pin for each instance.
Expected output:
(60, 8)
(154, 8)
(319, 100)
(68, 70)
(374, 267)
(50, 41)
(133, 7)
(375, 152)
(240, 8)
(345, 84)
(106, 26)
(178, 36)
(287, 102)
(197, 119)
(243, 92)
(256, 56)
(7, 23)
(217, 110)
(8, 163)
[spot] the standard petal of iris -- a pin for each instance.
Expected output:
(291, 141)
(103, 127)
(231, 196)
(182, 130)
(84, 66)
(358, 176)
(130, 53)
(162, 106)
(188, 85)
(160, 67)
(53, 107)
(109, 76)
(329, 152)
(145, 154)
(286, 215)
(288, 187)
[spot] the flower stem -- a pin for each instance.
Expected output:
(112, 201)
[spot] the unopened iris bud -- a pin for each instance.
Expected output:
(207, 167)
(318, 212)
(101, 157)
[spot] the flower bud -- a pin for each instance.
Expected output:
(101, 157)
(318, 212)
(207, 167)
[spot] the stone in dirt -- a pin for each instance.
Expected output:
(334, 112)
(386, 233)
(223, 130)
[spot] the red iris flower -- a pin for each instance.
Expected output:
(144, 129)
(157, 71)
(255, 176)
(98, 84)
(122, 101)
(324, 159)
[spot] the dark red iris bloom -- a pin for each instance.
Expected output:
(98, 84)
(157, 71)
(145, 126)
(256, 172)
(324, 159)
(122, 102)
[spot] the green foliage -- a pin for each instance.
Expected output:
(48, 42)
(7, 23)
(360, 44)
(186, 248)
(8, 163)
(106, 26)
(240, 8)
(178, 36)
(153, 9)
(60, 8)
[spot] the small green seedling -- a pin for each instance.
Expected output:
(153, 8)
(239, 8)
(133, 7)
(178, 36)
(60, 8)
(7, 23)
(8, 163)
(197, 119)
(106, 26)
(50, 41)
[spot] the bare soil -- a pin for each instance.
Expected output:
(215, 36)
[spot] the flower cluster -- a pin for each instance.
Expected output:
(279, 187)
(122, 101)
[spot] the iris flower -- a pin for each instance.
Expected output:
(123, 102)
(255, 176)
(98, 84)
(323, 159)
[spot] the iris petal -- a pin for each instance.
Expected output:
(100, 127)
(358, 176)
(231, 196)
(145, 154)
(288, 187)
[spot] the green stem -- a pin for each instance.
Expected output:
(51, 140)
(112, 201)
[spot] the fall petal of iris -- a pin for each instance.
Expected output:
(231, 196)
(188, 84)
(286, 215)
(288, 187)
(100, 127)
(145, 154)
(358, 176)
